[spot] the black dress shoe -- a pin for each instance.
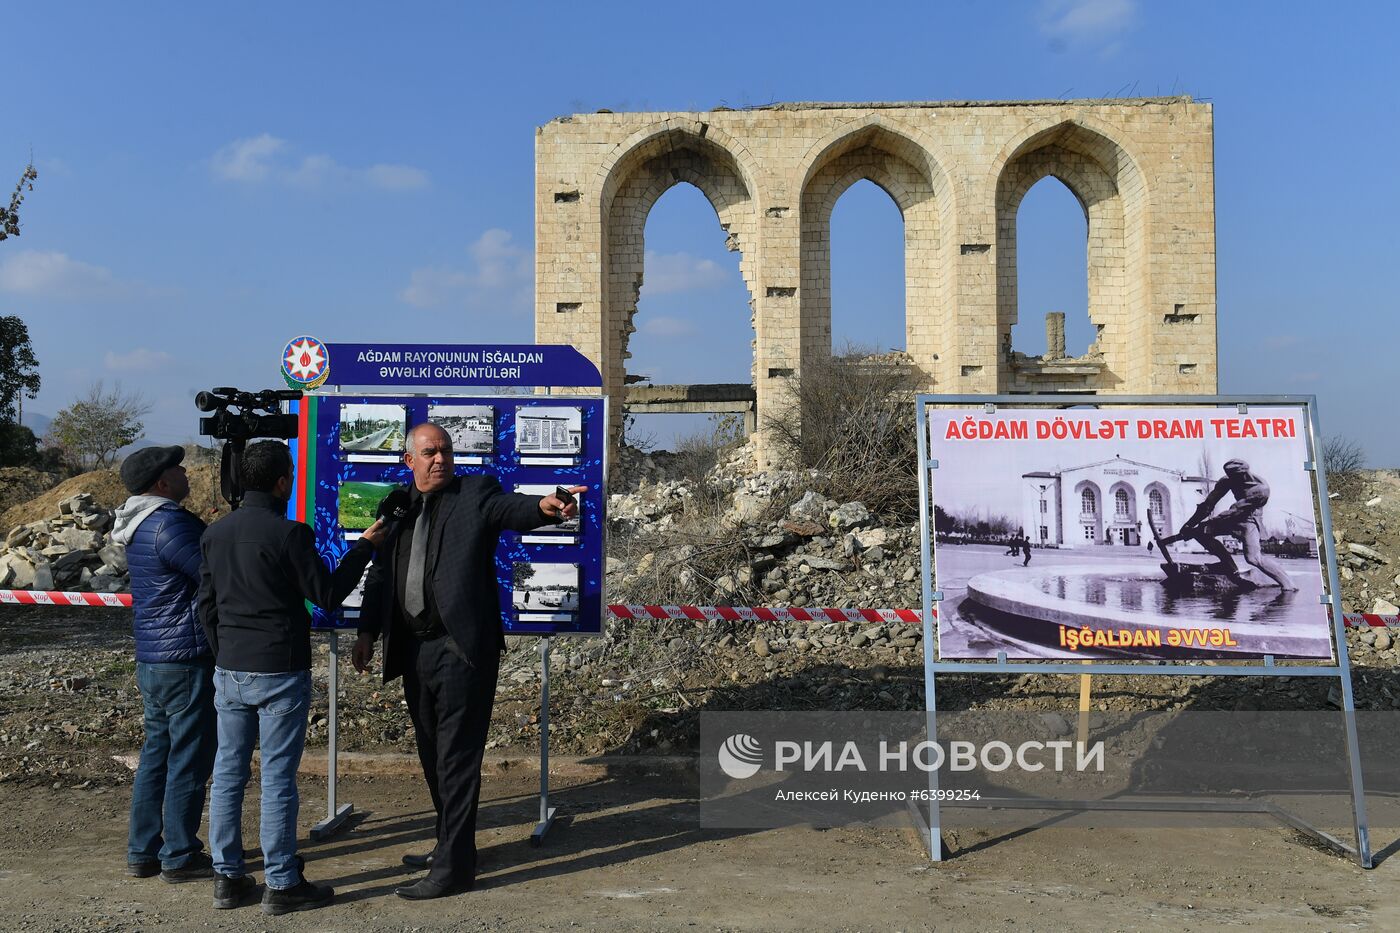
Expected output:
(418, 861)
(232, 892)
(146, 869)
(427, 889)
(305, 896)
(199, 866)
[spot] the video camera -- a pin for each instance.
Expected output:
(259, 414)
(246, 423)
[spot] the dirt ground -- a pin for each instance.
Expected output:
(630, 856)
(630, 853)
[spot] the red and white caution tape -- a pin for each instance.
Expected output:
(56, 598)
(754, 614)
(682, 613)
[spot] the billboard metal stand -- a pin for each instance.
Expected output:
(336, 815)
(546, 811)
(930, 823)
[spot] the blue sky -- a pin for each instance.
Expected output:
(214, 180)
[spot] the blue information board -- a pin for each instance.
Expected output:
(349, 454)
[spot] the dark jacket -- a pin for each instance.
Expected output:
(461, 568)
(162, 554)
(259, 569)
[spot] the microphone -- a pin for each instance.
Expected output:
(394, 508)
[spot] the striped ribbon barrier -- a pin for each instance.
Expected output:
(658, 613)
(757, 614)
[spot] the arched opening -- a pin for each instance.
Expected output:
(884, 303)
(1052, 273)
(692, 318)
(1107, 224)
(635, 183)
(867, 270)
(1124, 529)
(1090, 519)
(1159, 509)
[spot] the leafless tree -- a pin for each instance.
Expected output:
(1343, 457)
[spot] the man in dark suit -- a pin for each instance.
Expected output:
(432, 597)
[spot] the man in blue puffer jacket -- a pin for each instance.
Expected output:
(174, 669)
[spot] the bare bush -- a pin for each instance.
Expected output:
(696, 454)
(851, 417)
(1343, 457)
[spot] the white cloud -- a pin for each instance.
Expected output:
(680, 272)
(266, 158)
(1086, 21)
(501, 276)
(667, 327)
(138, 359)
(1282, 341)
(396, 177)
(431, 286)
(56, 275)
(499, 262)
(247, 159)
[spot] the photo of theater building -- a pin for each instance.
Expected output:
(1107, 503)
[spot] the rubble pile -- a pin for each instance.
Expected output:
(21, 484)
(725, 535)
(1366, 529)
(69, 551)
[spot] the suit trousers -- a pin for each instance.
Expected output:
(449, 700)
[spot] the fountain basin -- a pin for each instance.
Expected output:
(1129, 597)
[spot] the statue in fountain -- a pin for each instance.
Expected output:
(1242, 520)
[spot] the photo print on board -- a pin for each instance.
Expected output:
(373, 433)
(357, 503)
(543, 592)
(1163, 534)
(472, 429)
(566, 532)
(549, 435)
(350, 608)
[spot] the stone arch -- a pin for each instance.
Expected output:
(1104, 177)
(891, 156)
(642, 169)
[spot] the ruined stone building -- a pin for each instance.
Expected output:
(1142, 169)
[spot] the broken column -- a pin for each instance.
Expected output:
(1055, 335)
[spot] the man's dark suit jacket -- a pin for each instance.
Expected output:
(470, 516)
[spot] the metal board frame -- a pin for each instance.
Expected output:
(930, 824)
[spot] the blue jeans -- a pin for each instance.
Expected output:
(167, 795)
(270, 708)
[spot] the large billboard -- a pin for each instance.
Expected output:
(1125, 533)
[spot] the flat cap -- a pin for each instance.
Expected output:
(140, 470)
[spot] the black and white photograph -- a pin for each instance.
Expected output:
(471, 427)
(549, 434)
(544, 592)
(1131, 534)
(373, 433)
(567, 531)
(356, 600)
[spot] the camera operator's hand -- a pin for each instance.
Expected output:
(363, 653)
(377, 533)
